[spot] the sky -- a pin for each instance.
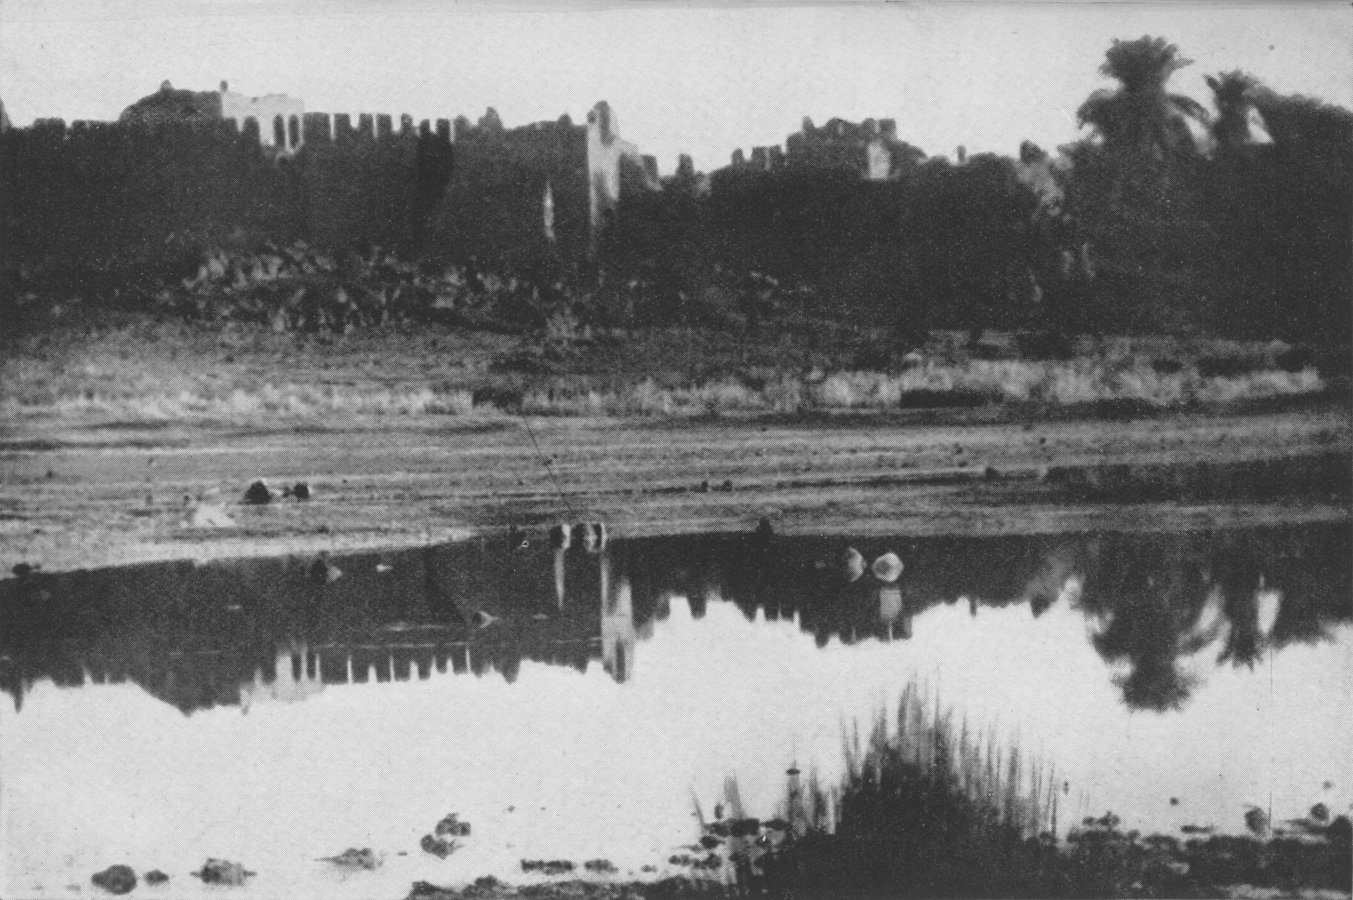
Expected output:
(682, 77)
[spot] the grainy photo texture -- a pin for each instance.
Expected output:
(674, 449)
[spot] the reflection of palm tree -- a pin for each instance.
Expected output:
(1150, 600)
(1241, 585)
(1140, 115)
(1209, 625)
(1155, 593)
(1155, 683)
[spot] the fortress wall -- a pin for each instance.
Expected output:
(494, 210)
(319, 128)
(358, 189)
(108, 196)
(375, 184)
(105, 196)
(112, 196)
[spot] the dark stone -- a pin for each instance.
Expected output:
(353, 858)
(438, 847)
(155, 876)
(485, 886)
(258, 494)
(117, 879)
(301, 491)
(744, 827)
(547, 867)
(451, 825)
(220, 871)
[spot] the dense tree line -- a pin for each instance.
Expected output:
(1197, 220)
(1167, 216)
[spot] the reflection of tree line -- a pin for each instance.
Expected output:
(1153, 599)
(198, 635)
(1234, 596)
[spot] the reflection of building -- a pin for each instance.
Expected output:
(894, 613)
(241, 631)
(246, 631)
(297, 675)
(618, 636)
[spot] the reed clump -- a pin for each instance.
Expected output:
(928, 807)
(931, 807)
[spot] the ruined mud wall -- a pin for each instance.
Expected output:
(943, 245)
(798, 225)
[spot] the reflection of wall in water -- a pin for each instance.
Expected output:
(297, 676)
(198, 636)
(618, 635)
(194, 635)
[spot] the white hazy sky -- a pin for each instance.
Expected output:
(693, 77)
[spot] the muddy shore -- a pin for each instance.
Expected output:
(95, 494)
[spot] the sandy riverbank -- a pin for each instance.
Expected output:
(86, 494)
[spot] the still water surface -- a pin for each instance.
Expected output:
(570, 704)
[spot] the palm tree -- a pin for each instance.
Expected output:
(1236, 121)
(1140, 115)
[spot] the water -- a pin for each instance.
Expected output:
(571, 705)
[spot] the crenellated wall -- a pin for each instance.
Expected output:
(107, 196)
